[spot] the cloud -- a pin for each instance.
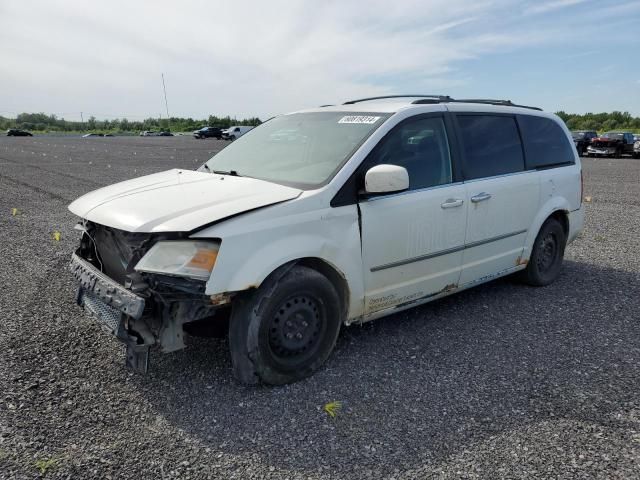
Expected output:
(250, 57)
(544, 7)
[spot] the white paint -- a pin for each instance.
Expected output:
(386, 178)
(176, 200)
(407, 226)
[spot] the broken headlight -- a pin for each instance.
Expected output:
(183, 258)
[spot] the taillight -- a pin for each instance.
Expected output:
(581, 186)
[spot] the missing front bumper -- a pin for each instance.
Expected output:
(105, 289)
(113, 307)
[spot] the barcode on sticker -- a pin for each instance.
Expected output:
(359, 119)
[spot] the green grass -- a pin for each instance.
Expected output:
(46, 464)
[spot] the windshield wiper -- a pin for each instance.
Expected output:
(231, 173)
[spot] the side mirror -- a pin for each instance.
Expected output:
(386, 179)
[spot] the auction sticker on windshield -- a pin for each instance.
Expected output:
(359, 119)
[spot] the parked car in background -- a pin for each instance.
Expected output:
(611, 144)
(636, 149)
(235, 132)
(582, 138)
(165, 134)
(16, 132)
(325, 217)
(89, 135)
(148, 133)
(208, 132)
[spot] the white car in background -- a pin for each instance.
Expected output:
(329, 216)
(235, 132)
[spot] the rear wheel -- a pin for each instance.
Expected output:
(547, 255)
(285, 330)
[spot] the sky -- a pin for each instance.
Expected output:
(256, 58)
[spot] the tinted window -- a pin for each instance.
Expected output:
(420, 146)
(545, 143)
(491, 145)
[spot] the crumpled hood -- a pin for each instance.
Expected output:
(177, 200)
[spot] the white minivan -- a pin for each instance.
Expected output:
(325, 217)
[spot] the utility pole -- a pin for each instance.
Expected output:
(166, 105)
(81, 118)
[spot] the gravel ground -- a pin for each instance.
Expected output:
(501, 381)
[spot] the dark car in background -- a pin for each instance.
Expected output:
(165, 134)
(611, 144)
(208, 132)
(582, 138)
(16, 132)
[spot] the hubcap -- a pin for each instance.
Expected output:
(547, 252)
(295, 328)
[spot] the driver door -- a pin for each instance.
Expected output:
(412, 241)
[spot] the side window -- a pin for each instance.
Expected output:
(420, 146)
(545, 143)
(491, 145)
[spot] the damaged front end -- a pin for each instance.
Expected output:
(141, 308)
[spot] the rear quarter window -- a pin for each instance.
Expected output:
(491, 145)
(545, 142)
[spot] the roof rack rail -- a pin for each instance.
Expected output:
(484, 101)
(439, 98)
(490, 101)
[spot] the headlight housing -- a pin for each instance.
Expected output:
(182, 258)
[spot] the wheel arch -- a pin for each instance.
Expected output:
(325, 268)
(557, 208)
(562, 216)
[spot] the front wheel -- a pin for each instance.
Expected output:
(285, 330)
(547, 255)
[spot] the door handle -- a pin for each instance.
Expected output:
(452, 203)
(481, 197)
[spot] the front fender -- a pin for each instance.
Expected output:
(250, 252)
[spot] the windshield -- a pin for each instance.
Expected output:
(615, 135)
(577, 135)
(301, 149)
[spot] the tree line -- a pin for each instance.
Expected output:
(41, 122)
(601, 122)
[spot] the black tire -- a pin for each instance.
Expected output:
(546, 256)
(286, 329)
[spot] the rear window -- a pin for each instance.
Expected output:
(491, 145)
(545, 143)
